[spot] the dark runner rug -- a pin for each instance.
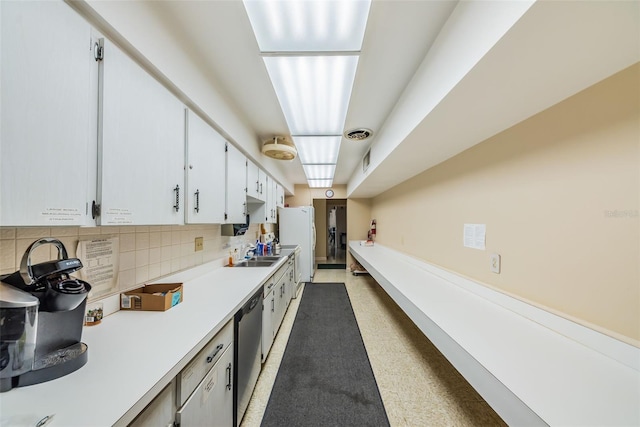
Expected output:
(325, 378)
(332, 266)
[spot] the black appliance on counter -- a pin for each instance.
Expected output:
(42, 311)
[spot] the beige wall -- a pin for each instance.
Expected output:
(559, 194)
(304, 195)
(358, 220)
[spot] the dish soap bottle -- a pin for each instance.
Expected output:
(230, 259)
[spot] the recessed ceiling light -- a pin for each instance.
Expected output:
(318, 149)
(319, 171)
(320, 183)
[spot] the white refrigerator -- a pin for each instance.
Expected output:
(297, 227)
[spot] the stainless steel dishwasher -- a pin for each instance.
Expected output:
(248, 352)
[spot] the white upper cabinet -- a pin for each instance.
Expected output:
(48, 74)
(279, 196)
(256, 182)
(236, 181)
(141, 165)
(205, 197)
(271, 200)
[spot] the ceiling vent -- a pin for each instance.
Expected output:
(280, 148)
(359, 134)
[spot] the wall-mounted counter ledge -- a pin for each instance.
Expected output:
(134, 355)
(530, 373)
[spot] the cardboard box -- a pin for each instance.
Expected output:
(159, 297)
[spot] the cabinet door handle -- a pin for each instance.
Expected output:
(215, 353)
(229, 377)
(177, 205)
(197, 194)
(260, 188)
(257, 187)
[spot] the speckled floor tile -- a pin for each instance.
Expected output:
(418, 386)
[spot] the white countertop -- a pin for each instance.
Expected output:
(506, 356)
(134, 355)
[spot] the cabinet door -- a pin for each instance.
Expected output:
(211, 404)
(46, 115)
(236, 179)
(268, 310)
(205, 197)
(279, 196)
(271, 200)
(141, 168)
(255, 182)
(161, 410)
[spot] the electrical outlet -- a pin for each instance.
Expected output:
(495, 263)
(199, 244)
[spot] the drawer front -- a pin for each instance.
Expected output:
(195, 371)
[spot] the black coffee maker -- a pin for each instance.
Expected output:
(42, 312)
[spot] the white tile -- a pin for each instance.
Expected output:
(155, 239)
(126, 279)
(155, 255)
(165, 268)
(142, 241)
(89, 231)
(7, 233)
(33, 233)
(165, 253)
(142, 275)
(127, 242)
(127, 261)
(127, 229)
(58, 232)
(175, 237)
(142, 258)
(155, 271)
(8, 256)
(166, 238)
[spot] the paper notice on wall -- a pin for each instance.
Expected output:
(474, 236)
(100, 259)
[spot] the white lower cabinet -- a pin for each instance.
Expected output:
(268, 309)
(205, 385)
(211, 404)
(161, 410)
(275, 303)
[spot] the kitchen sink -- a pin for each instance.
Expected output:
(255, 263)
(265, 258)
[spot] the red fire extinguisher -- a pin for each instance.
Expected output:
(373, 229)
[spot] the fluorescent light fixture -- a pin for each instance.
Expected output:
(310, 25)
(318, 149)
(313, 91)
(320, 183)
(319, 171)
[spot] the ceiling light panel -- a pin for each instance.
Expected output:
(319, 171)
(308, 26)
(318, 149)
(313, 91)
(320, 183)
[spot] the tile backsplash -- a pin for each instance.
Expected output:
(146, 253)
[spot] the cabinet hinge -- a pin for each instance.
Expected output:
(226, 147)
(98, 52)
(225, 215)
(95, 210)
